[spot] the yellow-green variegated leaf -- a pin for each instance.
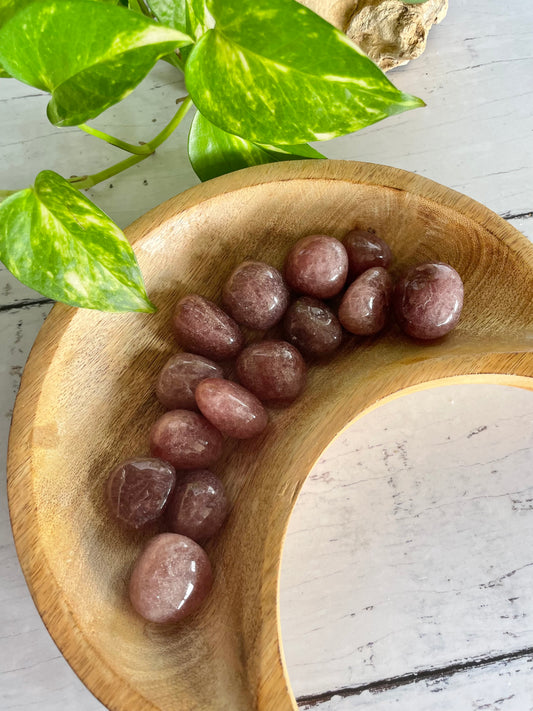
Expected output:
(273, 71)
(214, 152)
(93, 54)
(59, 243)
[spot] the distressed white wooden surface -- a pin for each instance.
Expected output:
(415, 542)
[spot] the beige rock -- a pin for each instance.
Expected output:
(390, 32)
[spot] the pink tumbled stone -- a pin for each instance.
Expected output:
(171, 578)
(137, 490)
(428, 300)
(232, 409)
(273, 370)
(364, 307)
(179, 377)
(317, 265)
(312, 327)
(185, 439)
(255, 295)
(366, 250)
(202, 327)
(198, 507)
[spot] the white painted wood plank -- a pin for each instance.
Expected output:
(411, 544)
(475, 133)
(505, 686)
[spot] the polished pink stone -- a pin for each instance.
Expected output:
(171, 578)
(364, 307)
(366, 250)
(202, 327)
(317, 265)
(428, 300)
(255, 295)
(232, 409)
(179, 377)
(137, 490)
(273, 370)
(312, 327)
(185, 439)
(198, 507)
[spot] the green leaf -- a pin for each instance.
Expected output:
(58, 242)
(273, 71)
(188, 16)
(85, 76)
(214, 152)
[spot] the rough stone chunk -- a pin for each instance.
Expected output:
(137, 490)
(232, 409)
(185, 439)
(365, 305)
(198, 506)
(255, 295)
(312, 327)
(273, 370)
(202, 327)
(317, 265)
(179, 377)
(428, 300)
(170, 579)
(366, 250)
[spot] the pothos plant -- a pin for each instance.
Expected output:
(266, 77)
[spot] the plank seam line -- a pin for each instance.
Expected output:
(414, 677)
(25, 302)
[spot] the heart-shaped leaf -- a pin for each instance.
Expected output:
(214, 152)
(58, 242)
(94, 54)
(188, 16)
(273, 71)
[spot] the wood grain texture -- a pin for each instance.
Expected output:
(414, 521)
(76, 563)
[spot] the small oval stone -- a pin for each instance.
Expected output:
(273, 370)
(185, 439)
(255, 295)
(179, 377)
(366, 250)
(312, 327)
(198, 506)
(428, 300)
(365, 305)
(317, 265)
(232, 409)
(204, 328)
(171, 578)
(138, 489)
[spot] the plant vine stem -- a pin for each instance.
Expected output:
(88, 181)
(137, 150)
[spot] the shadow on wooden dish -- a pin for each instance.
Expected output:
(86, 402)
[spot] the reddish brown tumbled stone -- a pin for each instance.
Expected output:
(185, 439)
(273, 370)
(179, 377)
(428, 300)
(366, 250)
(317, 265)
(171, 578)
(137, 490)
(202, 327)
(198, 506)
(255, 295)
(312, 327)
(232, 409)
(365, 305)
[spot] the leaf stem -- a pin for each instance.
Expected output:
(130, 147)
(88, 181)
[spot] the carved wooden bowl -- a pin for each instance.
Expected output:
(86, 402)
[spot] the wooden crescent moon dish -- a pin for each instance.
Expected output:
(86, 402)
